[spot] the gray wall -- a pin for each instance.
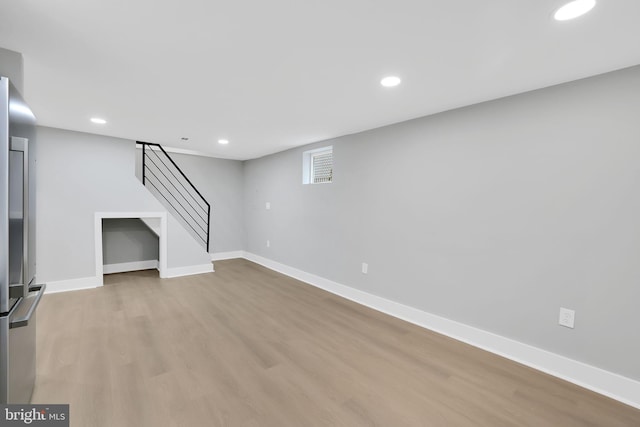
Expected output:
(493, 215)
(11, 66)
(79, 174)
(127, 240)
(221, 182)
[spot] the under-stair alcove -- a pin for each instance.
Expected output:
(130, 241)
(128, 244)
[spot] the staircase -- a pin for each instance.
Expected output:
(164, 178)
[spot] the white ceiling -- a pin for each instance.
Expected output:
(271, 75)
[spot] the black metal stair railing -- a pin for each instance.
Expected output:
(161, 173)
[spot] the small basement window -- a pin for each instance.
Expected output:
(317, 166)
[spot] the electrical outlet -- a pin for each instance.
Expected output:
(268, 244)
(365, 268)
(267, 205)
(567, 317)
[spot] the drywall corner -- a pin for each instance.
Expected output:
(12, 66)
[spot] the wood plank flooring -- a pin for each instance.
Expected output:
(246, 346)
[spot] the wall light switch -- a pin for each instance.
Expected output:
(567, 317)
(365, 268)
(268, 244)
(267, 205)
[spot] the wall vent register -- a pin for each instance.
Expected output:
(317, 166)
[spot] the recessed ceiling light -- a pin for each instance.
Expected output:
(574, 9)
(223, 141)
(98, 121)
(390, 81)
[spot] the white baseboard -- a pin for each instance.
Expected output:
(96, 281)
(590, 377)
(219, 256)
(73, 284)
(188, 270)
(129, 266)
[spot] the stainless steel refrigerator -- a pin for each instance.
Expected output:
(19, 294)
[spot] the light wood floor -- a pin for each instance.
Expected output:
(248, 346)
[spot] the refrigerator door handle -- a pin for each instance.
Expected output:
(31, 301)
(16, 291)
